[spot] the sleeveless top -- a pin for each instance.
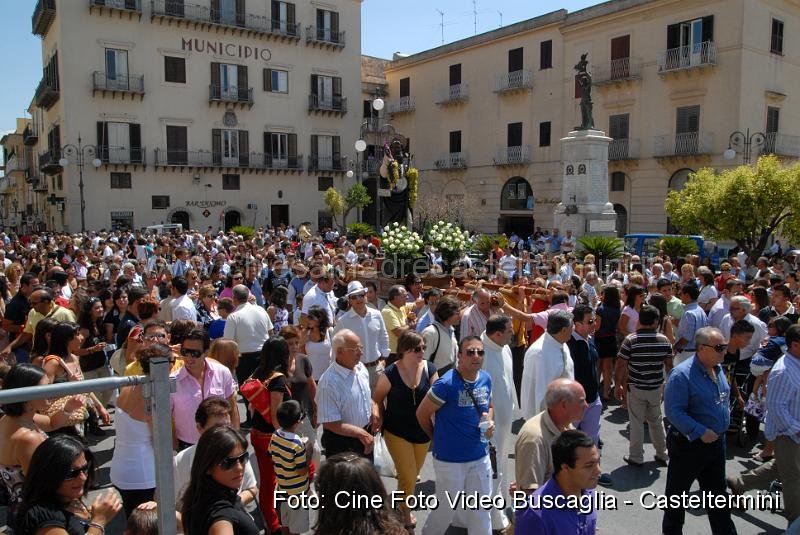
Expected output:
(400, 417)
(133, 461)
(13, 479)
(319, 354)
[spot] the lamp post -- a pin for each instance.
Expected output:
(79, 152)
(743, 141)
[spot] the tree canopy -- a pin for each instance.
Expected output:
(357, 196)
(746, 204)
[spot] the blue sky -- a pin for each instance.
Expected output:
(410, 26)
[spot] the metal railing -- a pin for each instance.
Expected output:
(263, 24)
(43, 15)
(781, 145)
(686, 144)
(402, 105)
(183, 158)
(49, 162)
(514, 81)
(109, 154)
(324, 35)
(617, 69)
(325, 163)
(118, 82)
(217, 93)
(31, 134)
(122, 5)
(453, 93)
(157, 389)
(688, 57)
(371, 166)
(47, 92)
(259, 160)
(16, 163)
(452, 160)
(327, 103)
(623, 149)
(516, 155)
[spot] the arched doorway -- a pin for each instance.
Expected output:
(232, 219)
(677, 182)
(182, 217)
(622, 220)
(516, 207)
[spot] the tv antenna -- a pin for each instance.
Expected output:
(475, 16)
(501, 18)
(441, 24)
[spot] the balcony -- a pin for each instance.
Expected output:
(43, 16)
(781, 145)
(180, 158)
(623, 149)
(40, 185)
(230, 95)
(16, 164)
(616, 71)
(281, 29)
(201, 16)
(513, 82)
(517, 155)
(267, 162)
(327, 104)
(453, 160)
(324, 37)
(30, 136)
(696, 56)
(118, 84)
(402, 105)
(47, 93)
(133, 8)
(689, 144)
(124, 156)
(453, 94)
(326, 163)
(48, 162)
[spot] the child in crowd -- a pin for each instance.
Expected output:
(290, 456)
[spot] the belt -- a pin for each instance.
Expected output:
(374, 362)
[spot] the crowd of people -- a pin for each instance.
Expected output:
(286, 324)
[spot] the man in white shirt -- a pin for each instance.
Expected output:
(321, 295)
(545, 361)
(720, 308)
(368, 325)
(568, 242)
(182, 307)
(739, 309)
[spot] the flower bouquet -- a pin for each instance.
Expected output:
(450, 240)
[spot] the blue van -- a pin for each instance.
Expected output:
(646, 245)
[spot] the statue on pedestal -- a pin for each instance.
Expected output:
(585, 84)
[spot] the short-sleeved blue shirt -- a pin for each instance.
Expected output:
(456, 435)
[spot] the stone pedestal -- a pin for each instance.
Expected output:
(584, 206)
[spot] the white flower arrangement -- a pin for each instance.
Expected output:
(448, 238)
(399, 241)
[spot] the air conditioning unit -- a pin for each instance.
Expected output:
(60, 206)
(252, 206)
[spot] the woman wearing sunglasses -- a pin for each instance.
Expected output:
(61, 472)
(397, 395)
(211, 503)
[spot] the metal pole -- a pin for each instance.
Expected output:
(158, 396)
(18, 395)
(747, 142)
(80, 185)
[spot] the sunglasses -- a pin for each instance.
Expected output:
(194, 353)
(75, 472)
(154, 337)
(229, 462)
(419, 349)
(473, 351)
(719, 348)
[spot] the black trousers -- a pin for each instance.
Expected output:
(131, 499)
(690, 461)
(518, 357)
(248, 362)
(335, 443)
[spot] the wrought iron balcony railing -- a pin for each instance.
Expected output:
(686, 144)
(516, 155)
(617, 70)
(453, 94)
(688, 57)
(452, 160)
(514, 81)
(623, 149)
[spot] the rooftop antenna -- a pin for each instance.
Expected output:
(441, 25)
(501, 18)
(475, 17)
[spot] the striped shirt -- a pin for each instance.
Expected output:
(343, 395)
(645, 351)
(288, 458)
(783, 399)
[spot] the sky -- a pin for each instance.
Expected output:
(386, 28)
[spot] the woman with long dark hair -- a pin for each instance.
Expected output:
(92, 354)
(60, 475)
(111, 320)
(272, 371)
(40, 347)
(629, 318)
(355, 475)
(318, 340)
(665, 327)
(605, 336)
(212, 496)
(278, 313)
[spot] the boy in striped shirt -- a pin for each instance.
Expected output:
(291, 459)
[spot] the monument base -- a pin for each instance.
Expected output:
(597, 220)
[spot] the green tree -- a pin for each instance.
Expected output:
(357, 196)
(746, 204)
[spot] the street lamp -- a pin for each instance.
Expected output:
(80, 152)
(743, 141)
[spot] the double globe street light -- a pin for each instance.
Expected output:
(360, 146)
(78, 153)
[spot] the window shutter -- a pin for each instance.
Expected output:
(241, 79)
(687, 120)
(292, 149)
(621, 47)
(267, 144)
(405, 87)
(267, 79)
(216, 146)
(618, 126)
(515, 60)
(244, 148)
(673, 36)
(102, 140)
(337, 86)
(240, 16)
(215, 10)
(336, 148)
(335, 26)
(708, 28)
(135, 138)
(130, 4)
(773, 119)
(276, 12)
(290, 19)
(514, 134)
(215, 79)
(314, 84)
(546, 54)
(314, 143)
(320, 21)
(455, 74)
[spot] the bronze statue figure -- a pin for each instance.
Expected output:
(585, 84)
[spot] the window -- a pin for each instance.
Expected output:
(326, 152)
(514, 135)
(119, 143)
(229, 12)
(687, 120)
(283, 18)
(60, 179)
(324, 183)
(515, 60)
(276, 81)
(120, 181)
(546, 55)
(773, 117)
(516, 194)
(230, 148)
(776, 39)
(617, 181)
(618, 126)
(326, 91)
(116, 69)
(122, 220)
(691, 33)
(405, 87)
(160, 202)
(230, 181)
(229, 82)
(324, 220)
(174, 70)
(455, 141)
(327, 26)
(280, 149)
(455, 74)
(177, 152)
(544, 134)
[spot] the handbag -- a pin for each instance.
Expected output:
(257, 394)
(384, 464)
(492, 448)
